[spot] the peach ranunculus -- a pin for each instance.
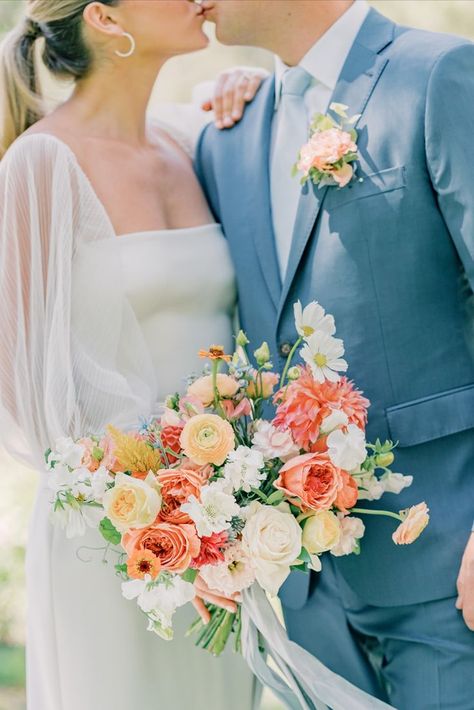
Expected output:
(264, 385)
(312, 480)
(348, 494)
(325, 148)
(202, 388)
(177, 484)
(206, 438)
(304, 404)
(174, 545)
(415, 520)
(141, 563)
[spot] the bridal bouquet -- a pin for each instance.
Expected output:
(214, 493)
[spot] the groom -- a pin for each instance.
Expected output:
(391, 256)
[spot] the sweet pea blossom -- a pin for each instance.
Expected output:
(352, 529)
(347, 449)
(272, 442)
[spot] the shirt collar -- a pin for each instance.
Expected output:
(325, 59)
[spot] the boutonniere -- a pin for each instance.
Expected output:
(328, 157)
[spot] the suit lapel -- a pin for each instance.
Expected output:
(358, 78)
(254, 186)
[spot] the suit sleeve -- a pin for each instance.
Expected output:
(449, 135)
(204, 169)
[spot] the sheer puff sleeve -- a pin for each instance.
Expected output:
(72, 357)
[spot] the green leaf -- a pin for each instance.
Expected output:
(260, 494)
(304, 555)
(109, 532)
(340, 109)
(46, 454)
(190, 575)
(275, 498)
(121, 569)
(302, 568)
(97, 453)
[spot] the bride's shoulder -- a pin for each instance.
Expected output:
(37, 149)
(182, 123)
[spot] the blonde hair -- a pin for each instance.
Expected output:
(58, 24)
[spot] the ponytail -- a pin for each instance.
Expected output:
(59, 25)
(20, 99)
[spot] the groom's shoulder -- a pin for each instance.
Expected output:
(214, 140)
(417, 49)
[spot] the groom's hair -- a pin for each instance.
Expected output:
(59, 24)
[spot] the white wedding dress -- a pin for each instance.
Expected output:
(96, 329)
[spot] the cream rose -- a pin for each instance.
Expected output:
(321, 532)
(203, 389)
(132, 503)
(206, 438)
(272, 537)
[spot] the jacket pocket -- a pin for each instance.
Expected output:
(432, 417)
(371, 185)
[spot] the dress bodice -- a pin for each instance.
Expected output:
(180, 284)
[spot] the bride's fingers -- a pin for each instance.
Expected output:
(228, 100)
(240, 94)
(202, 609)
(253, 85)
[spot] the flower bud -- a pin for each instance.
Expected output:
(242, 339)
(384, 460)
(294, 373)
(262, 355)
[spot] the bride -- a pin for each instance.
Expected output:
(112, 277)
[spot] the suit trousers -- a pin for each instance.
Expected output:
(416, 657)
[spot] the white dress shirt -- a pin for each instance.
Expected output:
(324, 61)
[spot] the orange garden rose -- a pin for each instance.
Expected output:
(204, 391)
(347, 496)
(141, 563)
(312, 479)
(174, 545)
(206, 438)
(177, 485)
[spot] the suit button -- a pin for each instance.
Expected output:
(285, 349)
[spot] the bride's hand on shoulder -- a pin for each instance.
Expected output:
(234, 88)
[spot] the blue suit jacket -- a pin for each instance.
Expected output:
(392, 258)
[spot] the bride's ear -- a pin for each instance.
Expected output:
(103, 19)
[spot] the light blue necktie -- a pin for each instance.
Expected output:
(291, 133)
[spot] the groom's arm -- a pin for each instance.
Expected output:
(204, 168)
(449, 135)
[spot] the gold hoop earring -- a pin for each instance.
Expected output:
(133, 46)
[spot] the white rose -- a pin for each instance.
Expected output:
(273, 538)
(132, 503)
(321, 532)
(347, 450)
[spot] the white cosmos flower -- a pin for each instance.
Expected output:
(244, 468)
(347, 449)
(312, 318)
(323, 353)
(213, 513)
(395, 482)
(352, 529)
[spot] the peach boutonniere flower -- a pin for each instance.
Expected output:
(328, 157)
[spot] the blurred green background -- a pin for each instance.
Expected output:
(17, 485)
